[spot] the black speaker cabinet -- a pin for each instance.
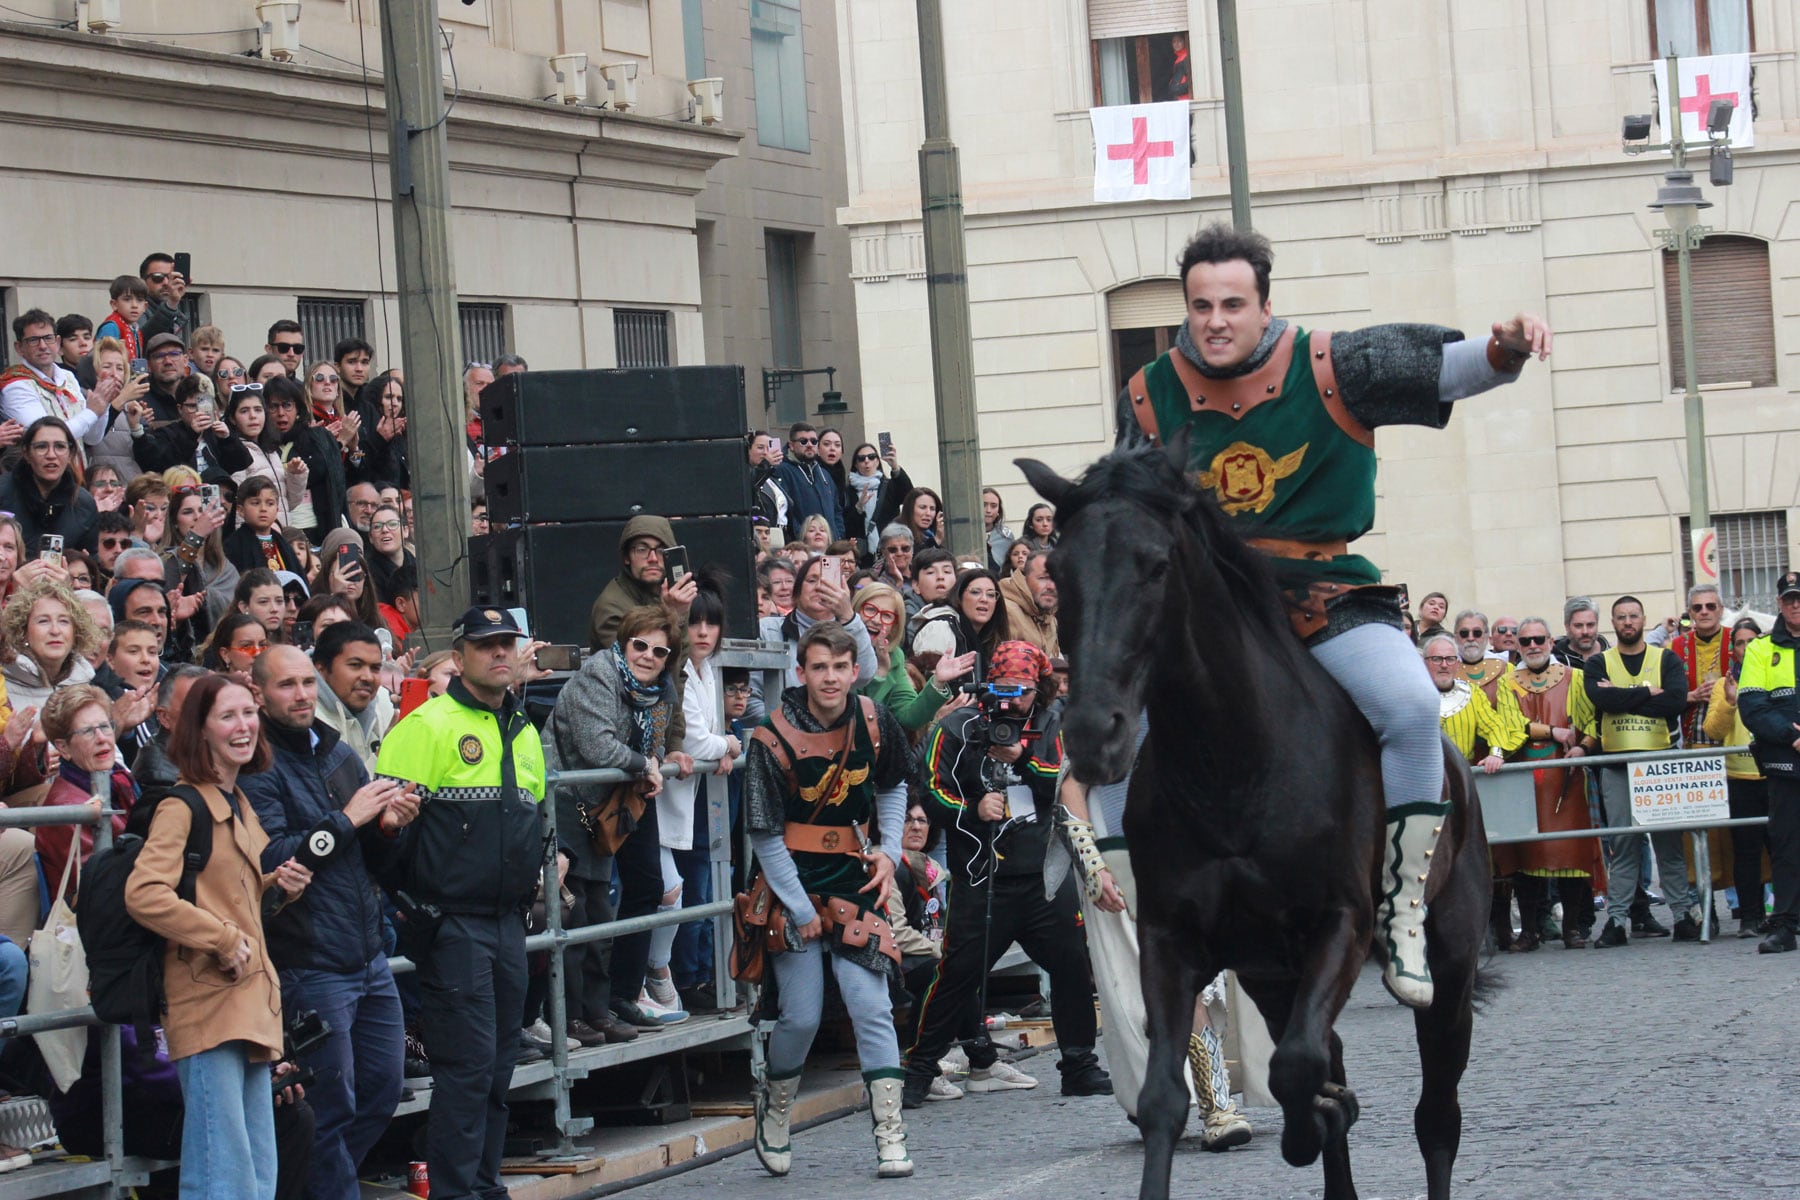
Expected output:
(556, 572)
(653, 404)
(615, 482)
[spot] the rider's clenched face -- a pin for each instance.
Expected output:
(1226, 317)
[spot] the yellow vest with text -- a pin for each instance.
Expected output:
(1621, 733)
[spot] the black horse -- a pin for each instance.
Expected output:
(1255, 814)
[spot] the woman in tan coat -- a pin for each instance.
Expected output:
(223, 1022)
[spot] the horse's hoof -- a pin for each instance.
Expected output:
(1346, 1100)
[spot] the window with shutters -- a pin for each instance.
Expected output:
(1140, 50)
(1145, 318)
(1734, 319)
(325, 323)
(782, 259)
(1701, 27)
(778, 68)
(483, 329)
(1753, 549)
(641, 337)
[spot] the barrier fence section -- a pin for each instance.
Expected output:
(120, 1172)
(1509, 810)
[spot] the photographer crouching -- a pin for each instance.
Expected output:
(990, 775)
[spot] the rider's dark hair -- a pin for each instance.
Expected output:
(1220, 243)
(1627, 600)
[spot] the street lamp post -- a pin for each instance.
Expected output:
(1680, 200)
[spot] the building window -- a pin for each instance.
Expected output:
(778, 61)
(1753, 549)
(1701, 27)
(1145, 319)
(782, 252)
(1734, 318)
(1140, 50)
(693, 38)
(483, 330)
(190, 308)
(325, 323)
(641, 337)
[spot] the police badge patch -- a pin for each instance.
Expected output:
(470, 748)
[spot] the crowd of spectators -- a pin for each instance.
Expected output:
(207, 582)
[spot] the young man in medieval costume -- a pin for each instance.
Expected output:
(820, 768)
(1280, 427)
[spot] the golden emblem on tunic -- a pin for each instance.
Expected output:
(1243, 477)
(834, 787)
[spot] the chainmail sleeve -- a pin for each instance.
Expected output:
(1390, 374)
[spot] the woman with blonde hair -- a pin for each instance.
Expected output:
(884, 613)
(49, 637)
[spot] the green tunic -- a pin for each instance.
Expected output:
(849, 800)
(1289, 466)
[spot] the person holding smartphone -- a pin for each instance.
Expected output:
(200, 438)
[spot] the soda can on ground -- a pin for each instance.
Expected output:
(418, 1179)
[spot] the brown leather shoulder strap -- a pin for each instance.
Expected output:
(1141, 408)
(871, 723)
(1330, 394)
(784, 755)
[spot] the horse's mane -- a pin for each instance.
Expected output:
(1146, 477)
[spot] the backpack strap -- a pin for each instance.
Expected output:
(199, 839)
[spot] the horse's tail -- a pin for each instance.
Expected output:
(1490, 981)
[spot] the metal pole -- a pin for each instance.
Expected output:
(1693, 410)
(568, 1126)
(112, 1067)
(947, 289)
(1231, 78)
(419, 167)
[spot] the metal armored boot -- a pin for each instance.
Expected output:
(774, 1114)
(891, 1159)
(1411, 837)
(1222, 1126)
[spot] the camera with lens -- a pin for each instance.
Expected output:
(303, 1031)
(992, 725)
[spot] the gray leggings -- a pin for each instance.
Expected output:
(1381, 669)
(800, 979)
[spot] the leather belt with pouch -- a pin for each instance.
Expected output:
(1306, 604)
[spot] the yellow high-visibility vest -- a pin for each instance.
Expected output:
(1621, 733)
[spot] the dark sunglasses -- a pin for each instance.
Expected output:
(1534, 640)
(868, 458)
(289, 347)
(1706, 607)
(806, 441)
(1469, 635)
(659, 653)
(1506, 629)
(232, 373)
(159, 276)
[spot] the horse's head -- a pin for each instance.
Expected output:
(1116, 567)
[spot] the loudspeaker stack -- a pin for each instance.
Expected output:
(586, 451)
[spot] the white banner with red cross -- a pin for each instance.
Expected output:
(1703, 80)
(1141, 152)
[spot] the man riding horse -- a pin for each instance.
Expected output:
(1280, 424)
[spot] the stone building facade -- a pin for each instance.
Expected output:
(1445, 160)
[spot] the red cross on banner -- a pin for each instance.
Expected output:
(1140, 152)
(1704, 80)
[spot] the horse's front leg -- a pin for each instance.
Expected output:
(1171, 970)
(1300, 1068)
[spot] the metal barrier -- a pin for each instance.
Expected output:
(1499, 794)
(124, 1171)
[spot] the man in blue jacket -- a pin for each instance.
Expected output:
(809, 486)
(317, 804)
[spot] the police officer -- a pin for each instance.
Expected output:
(1771, 712)
(469, 865)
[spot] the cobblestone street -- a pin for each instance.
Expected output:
(1650, 1071)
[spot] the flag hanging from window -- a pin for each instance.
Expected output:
(1703, 80)
(1141, 152)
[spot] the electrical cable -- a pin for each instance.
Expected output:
(38, 18)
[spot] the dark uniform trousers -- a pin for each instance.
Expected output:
(473, 979)
(1048, 930)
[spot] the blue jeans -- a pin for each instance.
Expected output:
(228, 1136)
(358, 1069)
(13, 968)
(692, 963)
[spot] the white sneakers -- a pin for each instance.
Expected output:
(1001, 1077)
(943, 1089)
(539, 1033)
(670, 1012)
